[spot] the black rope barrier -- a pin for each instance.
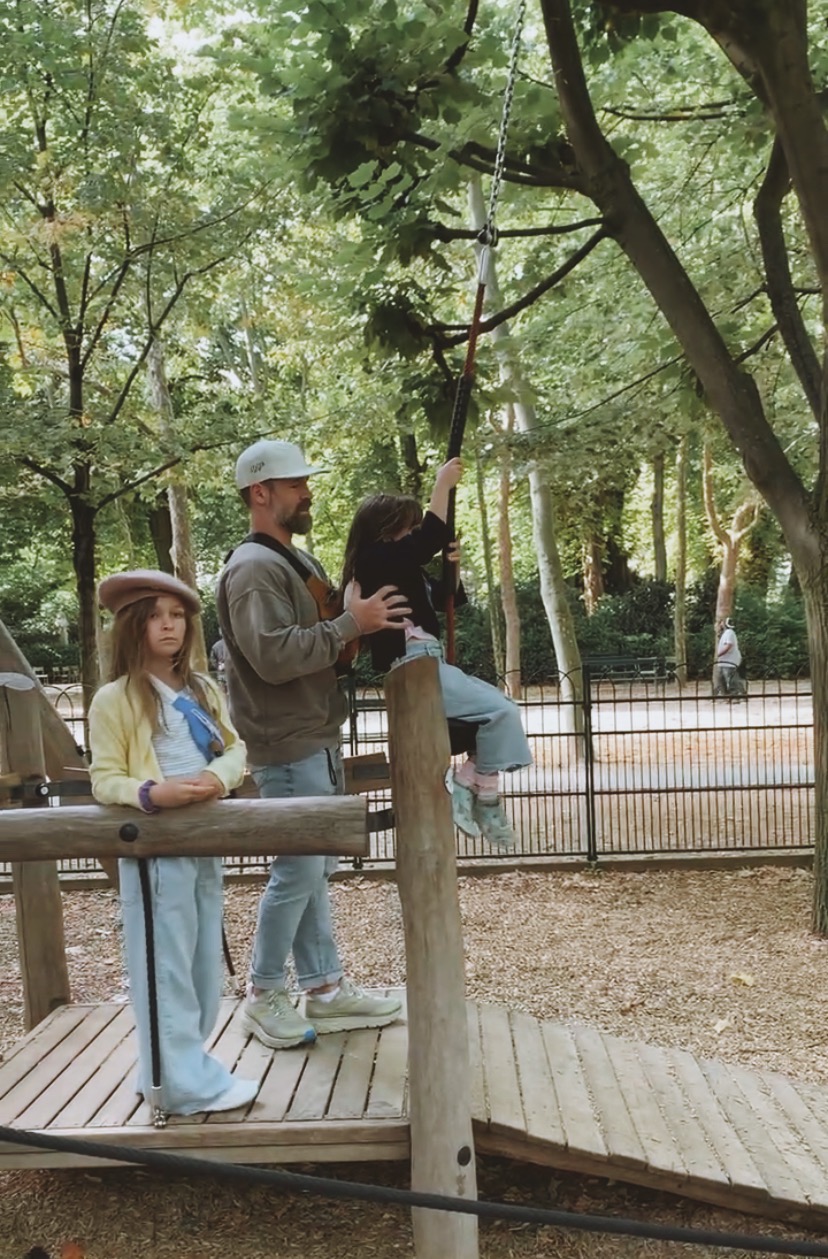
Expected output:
(324, 1187)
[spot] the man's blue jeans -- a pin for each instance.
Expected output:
(295, 909)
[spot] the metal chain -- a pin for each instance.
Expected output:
(488, 235)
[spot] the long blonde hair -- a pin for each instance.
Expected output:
(129, 652)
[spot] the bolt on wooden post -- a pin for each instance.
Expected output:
(442, 1148)
(36, 886)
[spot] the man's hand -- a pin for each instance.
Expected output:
(381, 611)
(172, 793)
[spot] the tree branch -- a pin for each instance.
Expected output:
(47, 474)
(767, 210)
(532, 296)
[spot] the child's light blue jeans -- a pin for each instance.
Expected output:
(501, 739)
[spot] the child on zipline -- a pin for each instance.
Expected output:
(389, 542)
(162, 738)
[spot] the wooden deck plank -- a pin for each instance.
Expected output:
(502, 1085)
(657, 1141)
(566, 1096)
(280, 1083)
(38, 1043)
(477, 1071)
(49, 1069)
(699, 1157)
(310, 1100)
(386, 1096)
(350, 1092)
(98, 1073)
(809, 1119)
(622, 1140)
(583, 1133)
(736, 1160)
(541, 1108)
(253, 1064)
(808, 1182)
(781, 1183)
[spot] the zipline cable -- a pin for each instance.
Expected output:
(326, 1187)
(487, 238)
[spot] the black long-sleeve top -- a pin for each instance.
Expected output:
(400, 564)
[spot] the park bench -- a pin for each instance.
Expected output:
(626, 668)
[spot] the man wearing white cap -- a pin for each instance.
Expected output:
(287, 704)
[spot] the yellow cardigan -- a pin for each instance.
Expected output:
(122, 753)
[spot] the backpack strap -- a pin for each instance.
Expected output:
(264, 539)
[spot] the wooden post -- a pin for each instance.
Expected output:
(442, 1149)
(36, 885)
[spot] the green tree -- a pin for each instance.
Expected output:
(119, 190)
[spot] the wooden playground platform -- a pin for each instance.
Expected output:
(570, 1097)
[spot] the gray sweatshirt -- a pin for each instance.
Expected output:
(284, 696)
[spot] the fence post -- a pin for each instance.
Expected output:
(442, 1149)
(36, 886)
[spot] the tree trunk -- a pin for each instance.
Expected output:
(182, 546)
(730, 391)
(84, 518)
(680, 610)
(491, 599)
(553, 586)
(508, 593)
(593, 574)
(161, 532)
(657, 509)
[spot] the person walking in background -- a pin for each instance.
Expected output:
(390, 540)
(285, 698)
(728, 658)
(216, 660)
(162, 738)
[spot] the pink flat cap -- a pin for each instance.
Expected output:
(122, 589)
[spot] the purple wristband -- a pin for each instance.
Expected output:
(144, 797)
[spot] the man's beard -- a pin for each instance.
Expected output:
(300, 522)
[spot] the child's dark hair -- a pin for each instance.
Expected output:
(378, 519)
(129, 640)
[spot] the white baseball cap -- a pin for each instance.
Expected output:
(268, 460)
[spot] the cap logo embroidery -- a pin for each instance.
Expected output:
(257, 467)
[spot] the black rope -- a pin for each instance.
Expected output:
(152, 987)
(324, 1187)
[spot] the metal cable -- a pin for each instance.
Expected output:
(325, 1187)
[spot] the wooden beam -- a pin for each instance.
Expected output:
(36, 887)
(439, 1073)
(327, 825)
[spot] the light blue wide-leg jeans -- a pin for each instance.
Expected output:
(186, 894)
(501, 739)
(295, 909)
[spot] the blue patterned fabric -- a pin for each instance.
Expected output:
(206, 733)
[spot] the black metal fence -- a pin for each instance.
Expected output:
(645, 767)
(637, 767)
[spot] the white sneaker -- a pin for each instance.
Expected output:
(352, 1008)
(240, 1093)
(274, 1020)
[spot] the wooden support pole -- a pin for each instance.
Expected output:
(442, 1149)
(36, 887)
(328, 825)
